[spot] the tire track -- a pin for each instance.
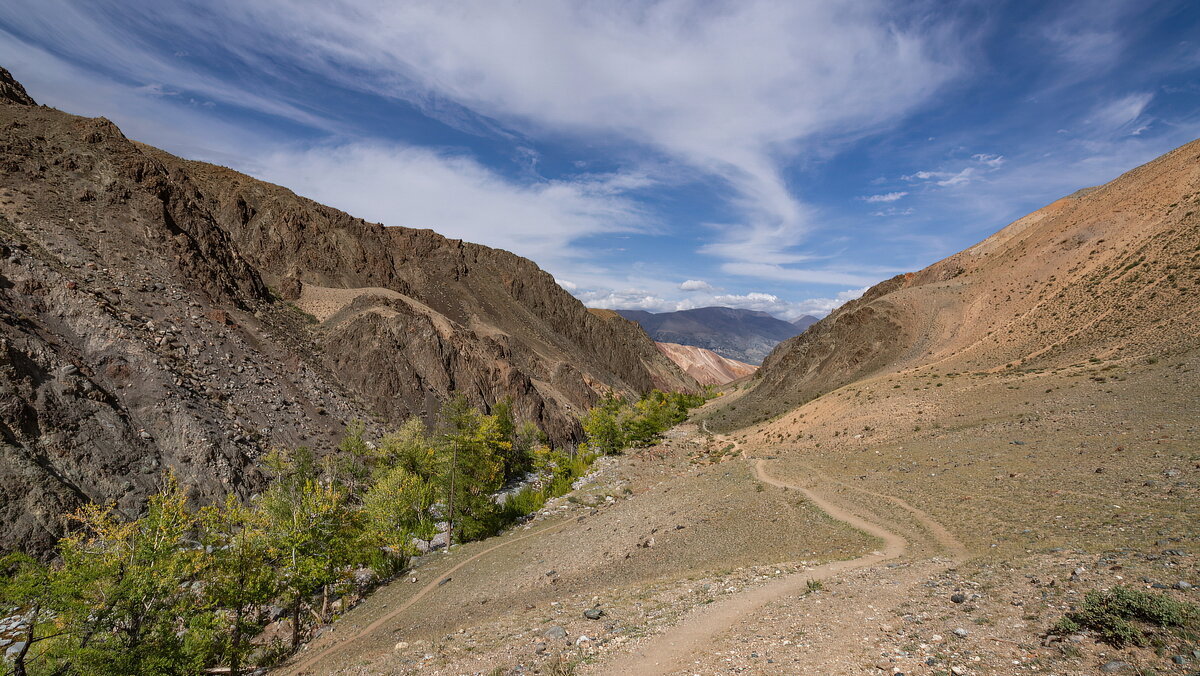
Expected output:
(671, 651)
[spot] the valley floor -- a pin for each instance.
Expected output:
(945, 529)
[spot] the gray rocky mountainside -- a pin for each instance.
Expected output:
(160, 313)
(744, 335)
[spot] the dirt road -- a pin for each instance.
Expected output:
(676, 649)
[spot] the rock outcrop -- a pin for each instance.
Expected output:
(157, 313)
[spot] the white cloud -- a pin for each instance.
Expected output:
(657, 74)
(764, 302)
(885, 197)
(569, 286)
(894, 211)
(641, 299)
(924, 175)
(942, 178)
(458, 197)
(784, 309)
(822, 306)
(632, 299)
(1120, 113)
(961, 178)
(695, 285)
(990, 160)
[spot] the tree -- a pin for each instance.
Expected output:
(124, 587)
(525, 441)
(239, 576)
(396, 509)
(27, 584)
(312, 531)
(471, 468)
(603, 431)
(408, 447)
(352, 465)
(515, 456)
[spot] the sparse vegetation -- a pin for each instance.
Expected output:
(616, 424)
(1124, 616)
(181, 591)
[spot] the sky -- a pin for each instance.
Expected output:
(765, 154)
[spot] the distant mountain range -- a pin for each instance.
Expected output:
(744, 335)
(804, 322)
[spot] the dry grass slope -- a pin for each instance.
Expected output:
(1113, 272)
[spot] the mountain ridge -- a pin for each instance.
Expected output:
(152, 317)
(1101, 272)
(734, 333)
(805, 321)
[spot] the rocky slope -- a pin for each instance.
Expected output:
(1106, 273)
(706, 366)
(744, 335)
(160, 313)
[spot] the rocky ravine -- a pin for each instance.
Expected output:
(152, 316)
(977, 448)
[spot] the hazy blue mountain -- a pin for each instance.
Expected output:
(804, 322)
(744, 335)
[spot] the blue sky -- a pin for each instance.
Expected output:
(773, 155)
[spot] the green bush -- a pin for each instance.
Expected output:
(1121, 616)
(616, 424)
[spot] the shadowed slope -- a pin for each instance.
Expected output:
(151, 317)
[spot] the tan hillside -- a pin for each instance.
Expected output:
(706, 366)
(912, 505)
(1105, 273)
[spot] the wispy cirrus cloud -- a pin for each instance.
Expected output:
(885, 197)
(1120, 114)
(656, 74)
(988, 159)
(457, 196)
(598, 137)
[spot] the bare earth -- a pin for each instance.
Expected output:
(892, 520)
(706, 366)
(953, 461)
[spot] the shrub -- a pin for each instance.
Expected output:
(1121, 616)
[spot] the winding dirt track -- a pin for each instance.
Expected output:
(307, 661)
(672, 650)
